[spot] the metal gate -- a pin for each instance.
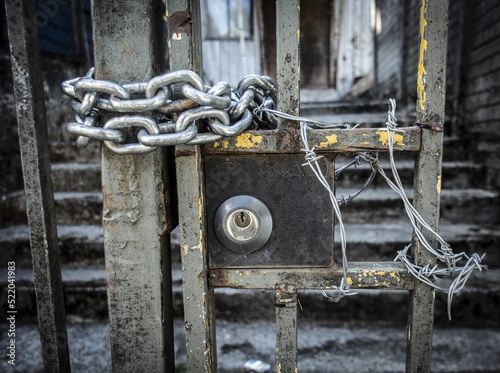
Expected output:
(140, 205)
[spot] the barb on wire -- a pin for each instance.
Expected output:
(358, 160)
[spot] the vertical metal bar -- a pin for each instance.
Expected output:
(286, 331)
(128, 48)
(185, 53)
(288, 81)
(288, 57)
(28, 89)
(431, 92)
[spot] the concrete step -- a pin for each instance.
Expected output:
(85, 299)
(377, 205)
(76, 177)
(64, 152)
(322, 347)
(79, 245)
(83, 177)
(456, 175)
(71, 208)
(374, 205)
(379, 242)
(82, 245)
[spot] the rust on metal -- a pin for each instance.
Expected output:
(40, 208)
(361, 275)
(184, 152)
(180, 22)
(329, 140)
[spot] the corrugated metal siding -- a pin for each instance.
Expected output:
(223, 60)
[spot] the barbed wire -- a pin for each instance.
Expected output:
(445, 254)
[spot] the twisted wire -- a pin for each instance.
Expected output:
(312, 161)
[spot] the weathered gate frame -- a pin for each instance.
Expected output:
(139, 206)
(198, 290)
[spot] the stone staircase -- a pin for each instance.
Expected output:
(376, 227)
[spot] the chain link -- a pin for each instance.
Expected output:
(203, 115)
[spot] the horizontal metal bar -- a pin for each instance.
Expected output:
(361, 275)
(324, 140)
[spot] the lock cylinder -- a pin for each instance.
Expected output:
(243, 224)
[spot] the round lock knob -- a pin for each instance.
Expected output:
(243, 224)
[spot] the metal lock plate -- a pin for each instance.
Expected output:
(243, 224)
(299, 207)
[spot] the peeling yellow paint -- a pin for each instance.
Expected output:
(422, 73)
(330, 140)
(384, 139)
(248, 140)
(439, 184)
(381, 273)
(224, 144)
(200, 214)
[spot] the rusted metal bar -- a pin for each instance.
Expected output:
(128, 48)
(361, 275)
(184, 24)
(331, 140)
(28, 89)
(288, 59)
(431, 93)
(286, 329)
(288, 79)
(30, 105)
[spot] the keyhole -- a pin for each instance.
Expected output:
(242, 219)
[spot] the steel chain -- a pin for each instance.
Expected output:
(203, 115)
